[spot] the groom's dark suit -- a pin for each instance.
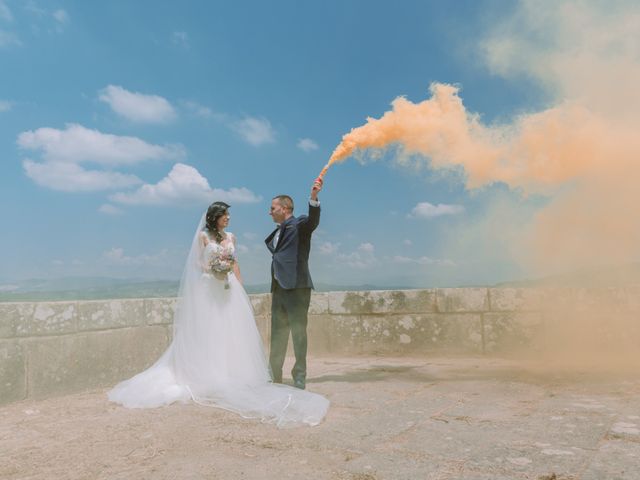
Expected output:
(291, 291)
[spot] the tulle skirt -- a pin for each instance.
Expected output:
(217, 359)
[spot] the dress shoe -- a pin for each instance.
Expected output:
(275, 377)
(299, 383)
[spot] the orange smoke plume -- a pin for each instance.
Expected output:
(441, 129)
(584, 163)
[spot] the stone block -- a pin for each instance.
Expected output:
(516, 299)
(623, 299)
(107, 314)
(159, 311)
(345, 334)
(455, 300)
(412, 301)
(512, 331)
(382, 301)
(261, 303)
(412, 333)
(453, 332)
(319, 304)
(589, 300)
(632, 298)
(319, 330)
(596, 334)
(13, 385)
(72, 363)
(8, 320)
(46, 318)
(379, 335)
(585, 299)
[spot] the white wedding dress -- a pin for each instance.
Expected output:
(217, 357)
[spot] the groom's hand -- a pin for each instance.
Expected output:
(317, 186)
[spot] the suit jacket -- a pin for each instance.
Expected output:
(290, 257)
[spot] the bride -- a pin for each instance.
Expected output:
(217, 357)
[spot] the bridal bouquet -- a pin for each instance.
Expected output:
(220, 266)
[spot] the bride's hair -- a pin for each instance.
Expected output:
(214, 212)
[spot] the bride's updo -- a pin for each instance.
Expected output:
(214, 212)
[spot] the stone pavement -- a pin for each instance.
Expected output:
(390, 418)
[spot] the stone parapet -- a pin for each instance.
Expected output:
(53, 348)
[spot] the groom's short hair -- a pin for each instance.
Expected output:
(286, 201)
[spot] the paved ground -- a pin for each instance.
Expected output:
(391, 418)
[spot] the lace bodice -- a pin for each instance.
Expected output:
(213, 249)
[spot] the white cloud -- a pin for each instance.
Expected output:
(117, 256)
(328, 248)
(428, 210)
(255, 131)
(181, 39)
(203, 111)
(34, 9)
(5, 106)
(366, 247)
(57, 263)
(47, 20)
(8, 39)
(198, 109)
(242, 248)
(5, 12)
(70, 177)
(183, 185)
(61, 16)
(401, 259)
(77, 144)
(407, 242)
(62, 19)
(423, 261)
(138, 107)
(109, 209)
(362, 257)
(307, 145)
(64, 150)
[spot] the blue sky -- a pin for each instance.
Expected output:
(120, 121)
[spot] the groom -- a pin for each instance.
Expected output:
(291, 283)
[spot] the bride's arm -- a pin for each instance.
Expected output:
(204, 240)
(236, 265)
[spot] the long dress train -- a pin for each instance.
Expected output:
(217, 357)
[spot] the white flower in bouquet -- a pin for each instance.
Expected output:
(221, 266)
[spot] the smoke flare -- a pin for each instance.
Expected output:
(584, 163)
(581, 153)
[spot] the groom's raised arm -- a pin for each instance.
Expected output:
(313, 220)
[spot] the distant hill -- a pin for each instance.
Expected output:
(85, 288)
(610, 276)
(100, 288)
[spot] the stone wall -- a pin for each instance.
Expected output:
(54, 348)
